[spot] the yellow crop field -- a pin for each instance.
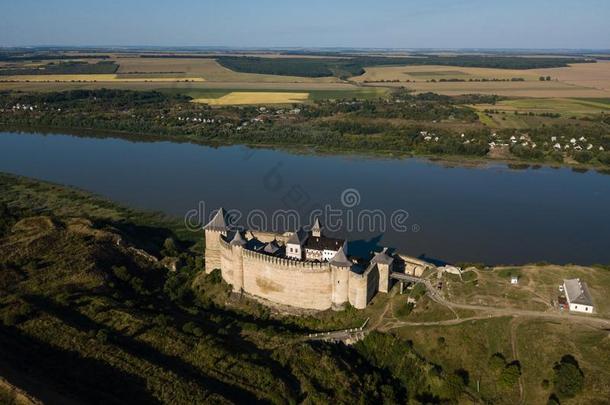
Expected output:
(255, 97)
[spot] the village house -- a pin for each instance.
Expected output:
(578, 296)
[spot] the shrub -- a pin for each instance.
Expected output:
(418, 291)
(511, 373)
(583, 157)
(405, 309)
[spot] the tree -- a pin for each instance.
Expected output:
(569, 379)
(511, 373)
(497, 362)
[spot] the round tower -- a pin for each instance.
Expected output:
(214, 230)
(340, 267)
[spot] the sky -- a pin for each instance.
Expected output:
(534, 24)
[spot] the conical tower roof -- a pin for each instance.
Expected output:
(383, 257)
(317, 226)
(271, 247)
(340, 259)
(238, 239)
(219, 222)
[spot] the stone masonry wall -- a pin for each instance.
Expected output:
(304, 285)
(362, 287)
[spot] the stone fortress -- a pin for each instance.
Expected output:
(302, 269)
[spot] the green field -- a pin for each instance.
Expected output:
(567, 107)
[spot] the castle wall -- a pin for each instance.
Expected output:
(227, 263)
(362, 287)
(299, 284)
(384, 277)
(413, 266)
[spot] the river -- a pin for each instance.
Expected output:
(490, 214)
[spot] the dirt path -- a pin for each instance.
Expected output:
(514, 324)
(486, 312)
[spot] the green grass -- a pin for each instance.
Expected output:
(467, 346)
(565, 106)
(364, 94)
(539, 345)
(198, 93)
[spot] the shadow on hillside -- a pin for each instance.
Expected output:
(55, 375)
(182, 369)
(149, 238)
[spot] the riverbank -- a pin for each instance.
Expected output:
(445, 160)
(399, 125)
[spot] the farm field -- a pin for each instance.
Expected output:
(564, 106)
(212, 92)
(429, 72)
(209, 69)
(97, 78)
(255, 97)
(593, 75)
(578, 80)
(182, 86)
(551, 89)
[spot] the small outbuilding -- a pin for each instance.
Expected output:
(514, 279)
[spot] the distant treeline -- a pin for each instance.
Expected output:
(64, 68)
(354, 65)
(21, 56)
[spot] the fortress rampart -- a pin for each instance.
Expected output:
(248, 267)
(302, 284)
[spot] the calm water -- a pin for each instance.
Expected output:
(492, 214)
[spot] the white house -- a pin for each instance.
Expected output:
(294, 245)
(578, 296)
(514, 279)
